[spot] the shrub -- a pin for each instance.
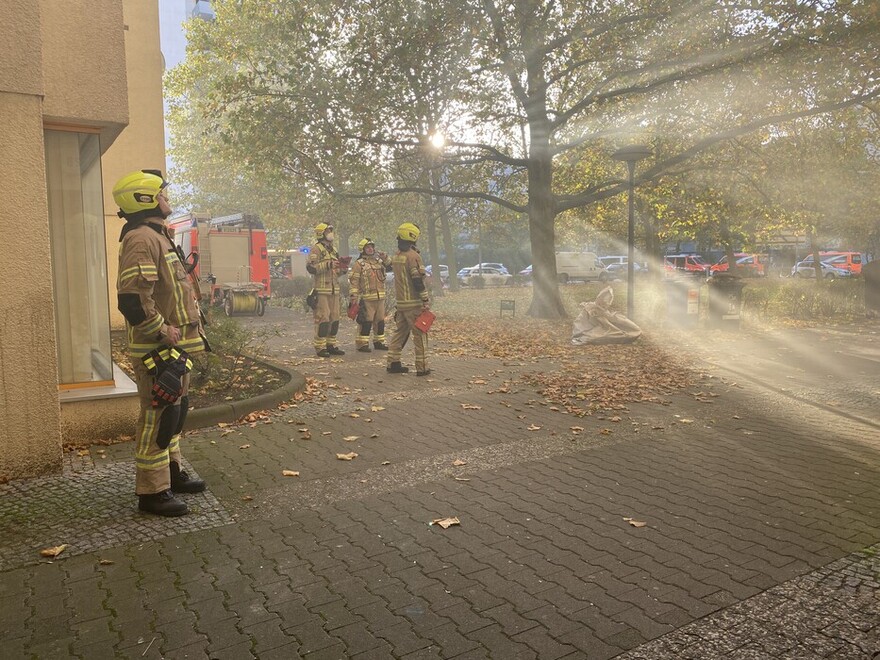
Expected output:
(476, 282)
(231, 345)
(298, 286)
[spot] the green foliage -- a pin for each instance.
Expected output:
(803, 300)
(306, 108)
(298, 286)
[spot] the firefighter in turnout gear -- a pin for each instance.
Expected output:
(161, 310)
(325, 266)
(367, 281)
(412, 299)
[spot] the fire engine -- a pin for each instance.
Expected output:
(229, 253)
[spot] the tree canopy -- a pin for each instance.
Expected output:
(325, 99)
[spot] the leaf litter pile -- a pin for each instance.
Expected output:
(586, 379)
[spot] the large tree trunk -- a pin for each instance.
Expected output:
(436, 284)
(446, 230)
(546, 301)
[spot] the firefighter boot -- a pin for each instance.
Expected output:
(363, 339)
(379, 337)
(397, 368)
(162, 504)
(332, 348)
(323, 331)
(181, 482)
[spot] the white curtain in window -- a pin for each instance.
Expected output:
(76, 226)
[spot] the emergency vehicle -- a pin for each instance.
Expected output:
(229, 253)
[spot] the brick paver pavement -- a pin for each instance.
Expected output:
(761, 514)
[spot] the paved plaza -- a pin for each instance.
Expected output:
(757, 485)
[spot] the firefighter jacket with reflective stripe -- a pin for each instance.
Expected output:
(367, 277)
(409, 279)
(152, 277)
(320, 264)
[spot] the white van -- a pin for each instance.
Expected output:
(579, 266)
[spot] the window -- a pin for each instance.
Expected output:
(76, 231)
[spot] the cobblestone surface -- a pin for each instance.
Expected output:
(89, 507)
(760, 511)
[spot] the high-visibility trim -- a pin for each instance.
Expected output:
(129, 273)
(179, 294)
(152, 327)
(148, 433)
(174, 445)
(155, 463)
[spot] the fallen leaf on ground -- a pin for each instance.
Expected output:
(577, 429)
(374, 435)
(53, 551)
(605, 431)
(245, 447)
(386, 462)
(350, 438)
(445, 523)
(354, 415)
(686, 421)
(106, 562)
(222, 425)
(461, 479)
(350, 456)
(326, 432)
(458, 461)
(615, 419)
(534, 427)
(248, 498)
(478, 381)
(636, 523)
(289, 473)
(468, 406)
(376, 408)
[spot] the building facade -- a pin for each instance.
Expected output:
(73, 76)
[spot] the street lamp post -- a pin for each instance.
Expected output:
(631, 155)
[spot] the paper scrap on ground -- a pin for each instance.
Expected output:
(53, 551)
(350, 456)
(635, 523)
(289, 473)
(445, 523)
(458, 462)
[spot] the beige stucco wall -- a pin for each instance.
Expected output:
(84, 64)
(141, 145)
(86, 422)
(62, 63)
(30, 440)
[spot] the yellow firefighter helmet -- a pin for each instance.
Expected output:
(408, 231)
(138, 191)
(321, 228)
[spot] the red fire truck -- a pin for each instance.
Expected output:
(232, 257)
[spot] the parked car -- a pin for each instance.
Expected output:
(849, 261)
(619, 270)
(753, 265)
(805, 269)
(488, 264)
(685, 264)
(579, 266)
(491, 276)
(614, 259)
(444, 272)
(526, 272)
